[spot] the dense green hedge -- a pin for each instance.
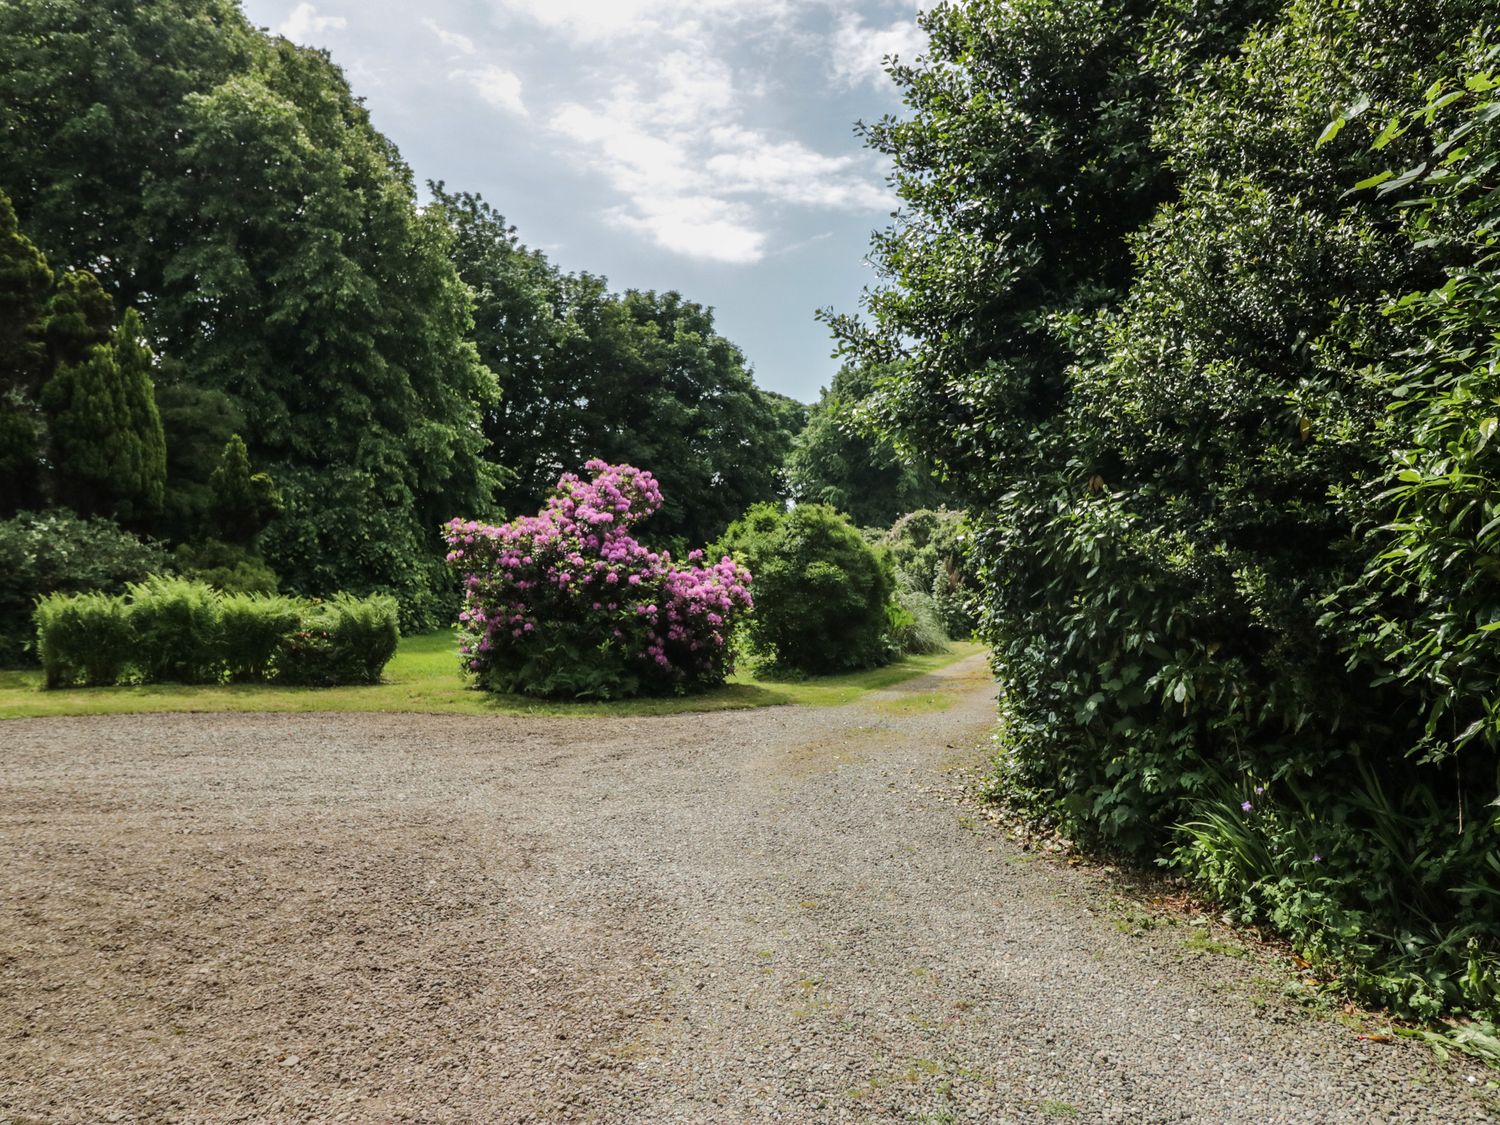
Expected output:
(1223, 413)
(179, 631)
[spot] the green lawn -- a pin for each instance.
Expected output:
(424, 677)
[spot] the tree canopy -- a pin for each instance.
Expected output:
(840, 460)
(639, 378)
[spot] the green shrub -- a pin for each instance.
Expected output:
(1234, 515)
(914, 624)
(254, 628)
(821, 592)
(367, 629)
(226, 567)
(177, 631)
(83, 636)
(346, 640)
(57, 552)
(930, 550)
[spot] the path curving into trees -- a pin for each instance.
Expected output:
(778, 915)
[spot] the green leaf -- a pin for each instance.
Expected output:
(1391, 131)
(1411, 175)
(1372, 181)
(1333, 129)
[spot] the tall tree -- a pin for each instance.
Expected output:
(91, 100)
(1024, 164)
(107, 450)
(25, 282)
(841, 461)
(639, 378)
(236, 190)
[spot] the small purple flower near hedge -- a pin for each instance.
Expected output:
(568, 603)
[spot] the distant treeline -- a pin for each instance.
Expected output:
(212, 205)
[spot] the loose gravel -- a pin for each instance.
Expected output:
(770, 916)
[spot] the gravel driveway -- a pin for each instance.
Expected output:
(738, 917)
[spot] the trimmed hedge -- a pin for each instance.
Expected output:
(179, 631)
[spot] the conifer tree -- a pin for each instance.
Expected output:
(244, 502)
(107, 447)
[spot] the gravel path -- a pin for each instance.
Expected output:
(740, 917)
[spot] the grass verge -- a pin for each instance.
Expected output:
(423, 677)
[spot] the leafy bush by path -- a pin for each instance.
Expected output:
(172, 630)
(567, 603)
(822, 592)
(83, 637)
(57, 552)
(930, 549)
(254, 629)
(1234, 515)
(914, 622)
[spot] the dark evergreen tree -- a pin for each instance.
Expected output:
(243, 501)
(106, 448)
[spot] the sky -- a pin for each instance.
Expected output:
(706, 146)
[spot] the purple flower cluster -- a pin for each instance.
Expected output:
(568, 602)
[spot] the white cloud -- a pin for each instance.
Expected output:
(594, 20)
(305, 22)
(496, 85)
(450, 39)
(695, 191)
(663, 108)
(748, 161)
(696, 226)
(858, 52)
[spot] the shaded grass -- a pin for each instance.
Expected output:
(424, 677)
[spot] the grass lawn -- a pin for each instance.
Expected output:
(424, 677)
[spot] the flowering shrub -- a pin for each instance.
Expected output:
(568, 603)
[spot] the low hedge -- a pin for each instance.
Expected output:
(179, 631)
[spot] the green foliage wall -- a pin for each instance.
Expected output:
(1142, 325)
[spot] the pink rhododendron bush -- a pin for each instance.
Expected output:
(567, 602)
